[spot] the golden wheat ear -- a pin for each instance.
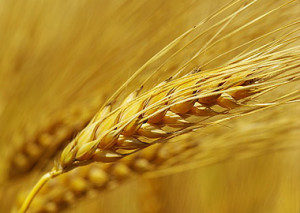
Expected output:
(130, 126)
(178, 105)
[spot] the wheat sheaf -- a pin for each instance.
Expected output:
(194, 96)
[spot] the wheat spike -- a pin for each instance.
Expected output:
(176, 106)
(54, 55)
(140, 122)
(97, 142)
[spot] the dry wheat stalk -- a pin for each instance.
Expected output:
(174, 106)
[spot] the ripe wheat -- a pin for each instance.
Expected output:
(164, 112)
(178, 105)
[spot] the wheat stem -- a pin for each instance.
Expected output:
(38, 186)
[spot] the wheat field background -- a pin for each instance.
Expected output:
(62, 58)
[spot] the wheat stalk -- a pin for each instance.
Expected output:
(170, 108)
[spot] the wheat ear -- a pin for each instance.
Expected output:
(57, 195)
(141, 119)
(168, 109)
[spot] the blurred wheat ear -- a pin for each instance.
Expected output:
(236, 62)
